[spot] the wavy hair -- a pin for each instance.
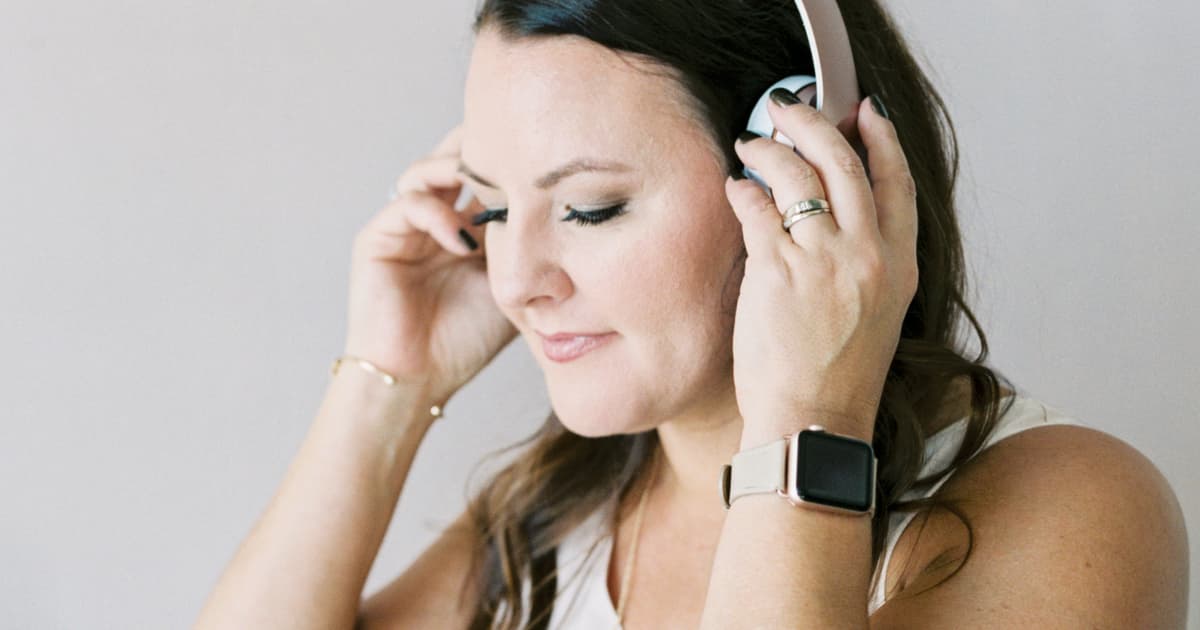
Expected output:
(724, 54)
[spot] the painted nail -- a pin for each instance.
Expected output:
(747, 136)
(466, 237)
(784, 97)
(877, 105)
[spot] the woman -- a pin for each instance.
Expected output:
(714, 331)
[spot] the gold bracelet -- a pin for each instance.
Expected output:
(435, 410)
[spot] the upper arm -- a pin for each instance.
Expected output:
(427, 594)
(1072, 528)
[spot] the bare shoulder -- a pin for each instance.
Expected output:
(435, 591)
(1072, 527)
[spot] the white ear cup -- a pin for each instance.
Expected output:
(760, 119)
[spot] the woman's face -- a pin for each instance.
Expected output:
(656, 275)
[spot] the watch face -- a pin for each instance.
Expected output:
(834, 470)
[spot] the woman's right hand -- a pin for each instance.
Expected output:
(420, 305)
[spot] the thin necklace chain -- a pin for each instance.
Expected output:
(637, 528)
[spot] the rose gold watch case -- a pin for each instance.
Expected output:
(792, 494)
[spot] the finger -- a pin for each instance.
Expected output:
(841, 171)
(791, 179)
(416, 213)
(761, 228)
(467, 212)
(435, 174)
(891, 180)
(451, 144)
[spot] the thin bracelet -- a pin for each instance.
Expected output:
(435, 410)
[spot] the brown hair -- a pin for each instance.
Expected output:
(724, 54)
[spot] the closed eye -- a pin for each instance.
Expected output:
(583, 218)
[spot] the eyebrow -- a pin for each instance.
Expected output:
(547, 181)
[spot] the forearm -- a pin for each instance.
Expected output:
(305, 562)
(782, 566)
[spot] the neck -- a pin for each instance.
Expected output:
(693, 448)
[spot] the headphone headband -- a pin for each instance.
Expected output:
(837, 81)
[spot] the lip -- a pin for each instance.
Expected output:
(563, 347)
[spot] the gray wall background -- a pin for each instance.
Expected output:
(180, 184)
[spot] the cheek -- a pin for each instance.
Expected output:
(675, 278)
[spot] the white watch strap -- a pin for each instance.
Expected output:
(759, 469)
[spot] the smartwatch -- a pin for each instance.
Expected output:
(811, 468)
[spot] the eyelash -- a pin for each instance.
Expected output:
(582, 218)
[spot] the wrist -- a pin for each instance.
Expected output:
(380, 400)
(767, 427)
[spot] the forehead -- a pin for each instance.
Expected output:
(551, 99)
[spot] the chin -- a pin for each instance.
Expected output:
(587, 423)
(596, 420)
(587, 430)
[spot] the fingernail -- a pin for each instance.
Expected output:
(747, 136)
(784, 97)
(877, 105)
(466, 237)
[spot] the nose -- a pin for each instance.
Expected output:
(524, 265)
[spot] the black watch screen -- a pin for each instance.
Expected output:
(835, 470)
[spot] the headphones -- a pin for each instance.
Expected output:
(836, 83)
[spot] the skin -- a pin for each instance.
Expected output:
(665, 276)
(656, 279)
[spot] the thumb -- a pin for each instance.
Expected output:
(762, 224)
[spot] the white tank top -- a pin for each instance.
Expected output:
(583, 601)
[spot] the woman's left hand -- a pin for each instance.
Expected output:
(821, 305)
